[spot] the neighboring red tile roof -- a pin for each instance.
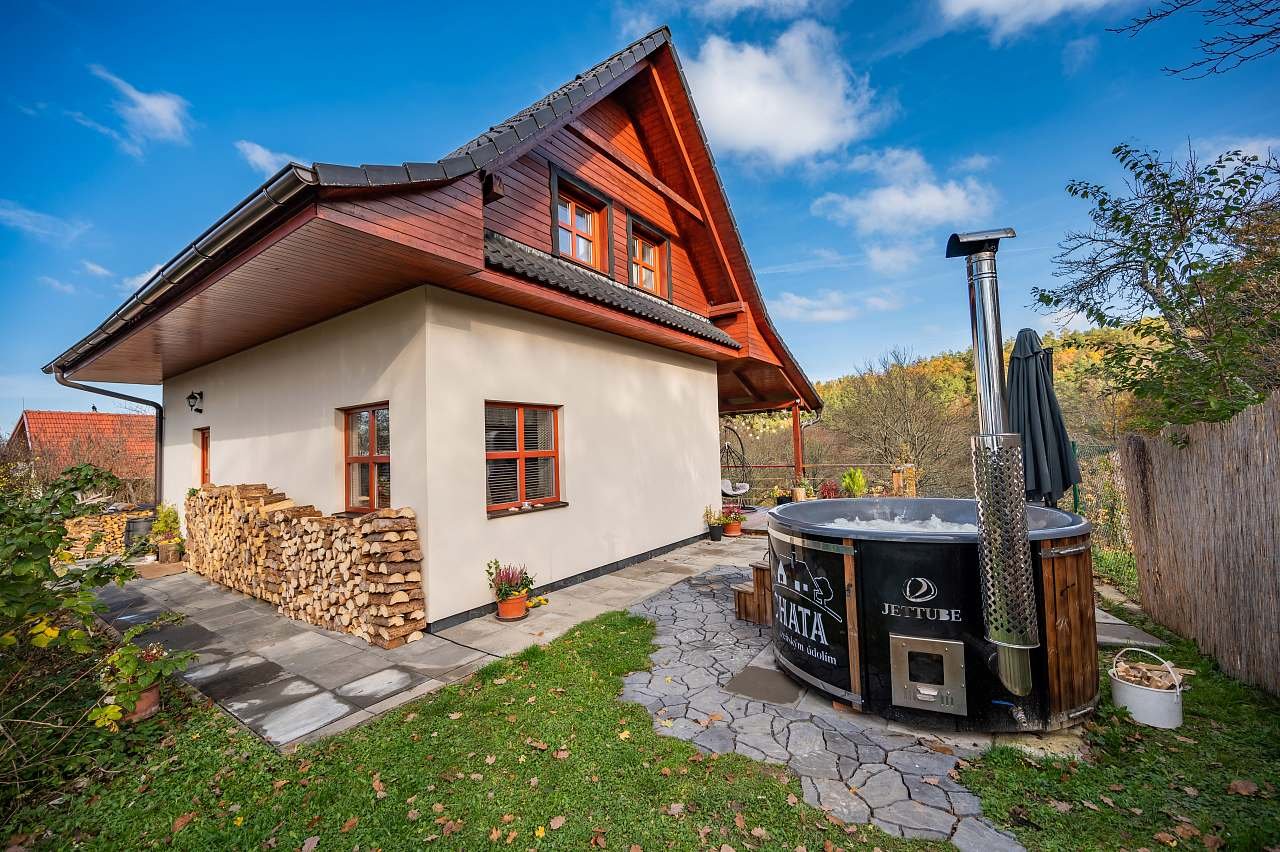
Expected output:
(121, 443)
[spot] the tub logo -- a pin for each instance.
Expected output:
(919, 590)
(801, 599)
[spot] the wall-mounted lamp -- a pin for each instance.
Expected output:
(195, 401)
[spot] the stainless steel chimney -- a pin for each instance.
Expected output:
(1008, 587)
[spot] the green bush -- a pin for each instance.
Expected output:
(854, 482)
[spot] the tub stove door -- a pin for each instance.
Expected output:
(928, 674)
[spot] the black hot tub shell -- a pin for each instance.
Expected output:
(890, 620)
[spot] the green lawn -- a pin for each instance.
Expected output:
(1118, 568)
(533, 752)
(1214, 780)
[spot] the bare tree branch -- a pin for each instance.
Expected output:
(1249, 30)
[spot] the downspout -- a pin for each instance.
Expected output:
(159, 451)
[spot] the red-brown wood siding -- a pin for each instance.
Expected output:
(524, 213)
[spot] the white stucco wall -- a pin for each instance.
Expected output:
(272, 411)
(639, 445)
(639, 431)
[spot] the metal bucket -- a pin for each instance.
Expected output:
(1158, 708)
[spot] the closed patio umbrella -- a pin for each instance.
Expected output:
(1049, 464)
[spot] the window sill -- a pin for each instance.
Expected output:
(512, 513)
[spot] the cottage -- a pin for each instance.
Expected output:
(529, 341)
(44, 443)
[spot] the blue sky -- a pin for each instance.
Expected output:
(853, 137)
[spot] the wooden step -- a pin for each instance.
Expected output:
(744, 602)
(762, 583)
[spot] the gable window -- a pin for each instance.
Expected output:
(578, 230)
(649, 257)
(522, 455)
(368, 458)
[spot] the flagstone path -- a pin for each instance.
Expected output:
(849, 765)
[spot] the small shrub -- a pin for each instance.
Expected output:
(828, 490)
(508, 581)
(167, 526)
(854, 482)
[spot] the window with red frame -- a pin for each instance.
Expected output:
(368, 458)
(522, 455)
(578, 231)
(646, 262)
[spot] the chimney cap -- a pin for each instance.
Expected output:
(963, 245)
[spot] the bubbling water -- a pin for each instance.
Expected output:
(900, 524)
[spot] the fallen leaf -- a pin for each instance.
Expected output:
(455, 716)
(452, 827)
(538, 744)
(940, 748)
(1185, 831)
(507, 819)
(413, 815)
(1116, 788)
(931, 779)
(1191, 791)
(1243, 787)
(665, 772)
(624, 735)
(304, 766)
(739, 821)
(635, 847)
(1212, 841)
(511, 836)
(311, 843)
(760, 833)
(791, 799)
(494, 834)
(438, 808)
(409, 717)
(350, 824)
(533, 782)
(1108, 801)
(1060, 807)
(1091, 806)
(182, 821)
(276, 785)
(378, 787)
(1166, 838)
(673, 809)
(499, 681)
(560, 753)
(489, 760)
(556, 823)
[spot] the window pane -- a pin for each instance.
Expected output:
(539, 429)
(383, 472)
(358, 477)
(500, 481)
(635, 247)
(583, 252)
(646, 252)
(646, 279)
(635, 272)
(582, 218)
(382, 431)
(566, 241)
(499, 429)
(358, 434)
(539, 478)
(563, 207)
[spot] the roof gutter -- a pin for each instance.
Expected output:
(280, 189)
(159, 409)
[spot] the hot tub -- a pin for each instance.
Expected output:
(876, 602)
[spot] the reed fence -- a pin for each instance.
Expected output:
(1204, 512)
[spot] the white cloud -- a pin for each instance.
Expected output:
(820, 258)
(893, 259)
(833, 305)
(42, 226)
(909, 207)
(1008, 17)
(725, 9)
(828, 306)
(95, 268)
(782, 102)
(130, 283)
(263, 160)
(1078, 53)
(147, 116)
(54, 284)
(1259, 146)
(893, 165)
(974, 163)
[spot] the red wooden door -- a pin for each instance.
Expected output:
(204, 456)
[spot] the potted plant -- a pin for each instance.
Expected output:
(803, 488)
(733, 518)
(781, 496)
(854, 482)
(714, 522)
(166, 534)
(131, 677)
(828, 490)
(511, 585)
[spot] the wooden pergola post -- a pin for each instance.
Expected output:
(797, 440)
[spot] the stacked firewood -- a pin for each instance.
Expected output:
(1152, 676)
(393, 577)
(361, 576)
(108, 530)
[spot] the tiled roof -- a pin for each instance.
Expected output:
(502, 137)
(511, 256)
(121, 443)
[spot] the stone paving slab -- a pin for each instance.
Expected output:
(855, 767)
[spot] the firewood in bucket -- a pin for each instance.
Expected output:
(1150, 675)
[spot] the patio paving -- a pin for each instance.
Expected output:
(292, 682)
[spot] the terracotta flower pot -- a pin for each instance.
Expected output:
(733, 528)
(168, 551)
(148, 705)
(513, 609)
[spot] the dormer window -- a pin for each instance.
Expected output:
(578, 230)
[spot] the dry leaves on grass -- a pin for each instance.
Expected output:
(310, 843)
(560, 753)
(1243, 787)
(350, 824)
(182, 821)
(379, 788)
(556, 823)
